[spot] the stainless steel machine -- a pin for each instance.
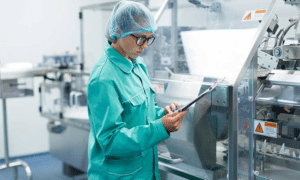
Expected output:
(247, 128)
(276, 122)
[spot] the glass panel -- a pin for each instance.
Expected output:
(76, 101)
(51, 99)
(93, 26)
(245, 126)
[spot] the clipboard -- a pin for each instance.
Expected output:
(208, 90)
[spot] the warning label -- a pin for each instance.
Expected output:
(272, 125)
(248, 17)
(254, 15)
(158, 88)
(265, 128)
(259, 128)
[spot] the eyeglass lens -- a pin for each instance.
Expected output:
(142, 40)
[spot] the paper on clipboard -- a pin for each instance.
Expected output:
(208, 90)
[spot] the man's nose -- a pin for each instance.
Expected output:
(145, 45)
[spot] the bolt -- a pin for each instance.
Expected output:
(250, 98)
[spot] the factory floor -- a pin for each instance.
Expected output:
(43, 167)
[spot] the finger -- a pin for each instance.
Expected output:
(177, 105)
(173, 107)
(185, 112)
(178, 124)
(168, 110)
(173, 114)
(178, 120)
(182, 114)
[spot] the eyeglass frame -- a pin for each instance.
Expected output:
(143, 39)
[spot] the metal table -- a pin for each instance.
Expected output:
(11, 88)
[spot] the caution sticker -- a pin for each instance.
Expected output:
(255, 15)
(265, 128)
(159, 88)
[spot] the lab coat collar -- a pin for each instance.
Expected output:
(138, 60)
(120, 61)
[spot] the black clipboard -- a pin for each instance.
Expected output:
(208, 90)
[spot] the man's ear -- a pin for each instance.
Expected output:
(118, 31)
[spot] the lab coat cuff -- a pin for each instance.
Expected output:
(161, 129)
(160, 113)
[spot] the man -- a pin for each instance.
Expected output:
(126, 124)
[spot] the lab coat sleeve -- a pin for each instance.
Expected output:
(160, 112)
(112, 134)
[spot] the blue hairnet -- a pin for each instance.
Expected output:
(127, 18)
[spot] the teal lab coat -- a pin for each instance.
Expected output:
(125, 122)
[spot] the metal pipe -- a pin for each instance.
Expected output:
(15, 173)
(276, 38)
(15, 165)
(5, 131)
(232, 134)
(161, 10)
(81, 40)
(252, 91)
(27, 169)
(174, 36)
(286, 30)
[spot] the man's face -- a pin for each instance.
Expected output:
(130, 47)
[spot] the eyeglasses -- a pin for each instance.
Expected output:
(141, 40)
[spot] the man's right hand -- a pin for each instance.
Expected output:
(172, 122)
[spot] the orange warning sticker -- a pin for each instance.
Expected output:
(254, 15)
(268, 124)
(265, 128)
(261, 11)
(248, 17)
(158, 88)
(259, 128)
(246, 126)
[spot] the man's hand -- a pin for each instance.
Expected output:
(172, 108)
(172, 122)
